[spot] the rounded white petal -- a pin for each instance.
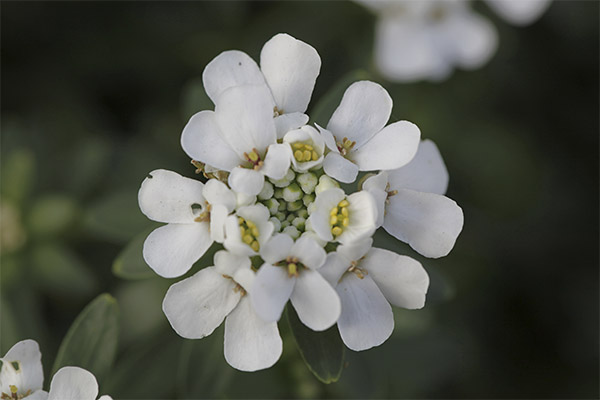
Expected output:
(402, 280)
(270, 291)
(277, 161)
(73, 383)
(166, 196)
(519, 12)
(245, 278)
(29, 374)
(309, 252)
(391, 148)
(428, 222)
(247, 181)
(227, 263)
(472, 39)
(218, 216)
(216, 192)
(328, 138)
(376, 185)
(245, 116)
(43, 395)
(290, 67)
(335, 266)
(363, 218)
(425, 173)
(288, 122)
(337, 167)
(277, 248)
(365, 109)
(203, 140)
(250, 343)
(105, 397)
(367, 319)
(355, 250)
(316, 302)
(228, 69)
(196, 306)
(171, 250)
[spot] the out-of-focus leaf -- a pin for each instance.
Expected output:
(13, 235)
(195, 98)
(51, 215)
(130, 263)
(88, 164)
(323, 352)
(17, 175)
(57, 270)
(91, 341)
(325, 107)
(116, 217)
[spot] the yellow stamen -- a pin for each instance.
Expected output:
(13, 388)
(292, 269)
(248, 239)
(307, 154)
(336, 231)
(344, 211)
(339, 218)
(298, 155)
(333, 220)
(255, 246)
(315, 156)
(334, 211)
(345, 222)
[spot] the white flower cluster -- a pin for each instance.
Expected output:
(22, 377)
(274, 202)
(426, 39)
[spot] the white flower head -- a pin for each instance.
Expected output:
(308, 148)
(195, 214)
(412, 206)
(358, 138)
(344, 219)
(196, 306)
(290, 273)
(248, 229)
(367, 281)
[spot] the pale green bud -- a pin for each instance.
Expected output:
(267, 191)
(292, 193)
(325, 182)
(307, 181)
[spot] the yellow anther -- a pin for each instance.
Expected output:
(255, 231)
(307, 155)
(336, 231)
(344, 211)
(333, 220)
(242, 231)
(308, 147)
(292, 269)
(255, 246)
(13, 388)
(298, 155)
(345, 222)
(248, 239)
(315, 156)
(253, 156)
(298, 145)
(250, 224)
(240, 220)
(343, 203)
(334, 211)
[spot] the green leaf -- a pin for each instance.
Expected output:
(17, 175)
(52, 214)
(91, 341)
(323, 352)
(130, 263)
(324, 108)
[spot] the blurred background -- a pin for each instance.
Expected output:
(95, 96)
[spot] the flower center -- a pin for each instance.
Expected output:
(249, 232)
(204, 215)
(389, 192)
(293, 265)
(254, 159)
(13, 394)
(277, 112)
(238, 288)
(304, 152)
(345, 146)
(339, 218)
(356, 270)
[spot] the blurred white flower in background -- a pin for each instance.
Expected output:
(426, 39)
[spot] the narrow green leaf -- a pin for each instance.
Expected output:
(130, 263)
(324, 108)
(323, 352)
(91, 341)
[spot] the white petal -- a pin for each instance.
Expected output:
(519, 12)
(339, 168)
(290, 68)
(287, 122)
(29, 375)
(227, 263)
(376, 185)
(216, 192)
(309, 252)
(404, 50)
(166, 196)
(429, 223)
(277, 248)
(270, 292)
(43, 395)
(328, 138)
(364, 111)
(316, 302)
(171, 250)
(230, 68)
(245, 116)
(247, 181)
(245, 278)
(425, 173)
(472, 38)
(402, 280)
(335, 266)
(363, 218)
(277, 161)
(367, 319)
(73, 383)
(250, 343)
(218, 216)
(196, 306)
(105, 397)
(391, 148)
(202, 140)
(355, 250)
